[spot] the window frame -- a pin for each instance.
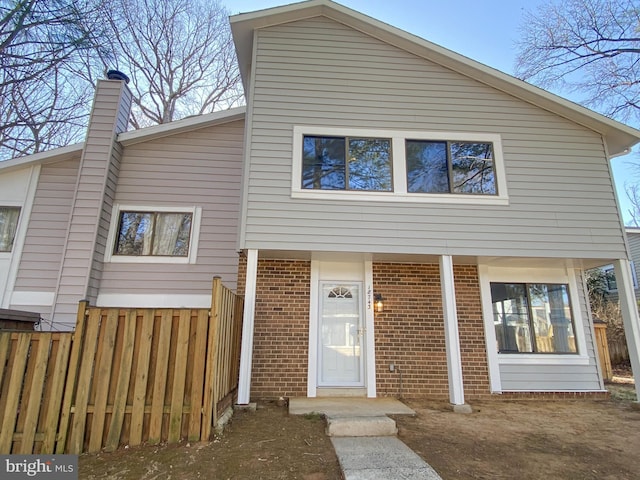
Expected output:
(531, 318)
(111, 257)
(566, 276)
(399, 167)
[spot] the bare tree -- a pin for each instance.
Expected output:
(178, 53)
(586, 46)
(39, 99)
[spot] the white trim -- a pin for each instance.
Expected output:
(314, 297)
(194, 236)
(15, 255)
(370, 342)
(489, 331)
(153, 300)
(399, 169)
(248, 320)
(563, 275)
(33, 298)
(49, 156)
(451, 335)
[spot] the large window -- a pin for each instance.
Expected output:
(450, 167)
(153, 234)
(398, 166)
(533, 318)
(347, 163)
(8, 226)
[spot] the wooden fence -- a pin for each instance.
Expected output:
(123, 377)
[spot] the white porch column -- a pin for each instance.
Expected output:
(451, 337)
(629, 310)
(246, 349)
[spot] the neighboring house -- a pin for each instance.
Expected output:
(410, 222)
(633, 242)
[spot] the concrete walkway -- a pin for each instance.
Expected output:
(356, 427)
(380, 458)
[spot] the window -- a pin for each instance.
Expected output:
(533, 318)
(450, 167)
(8, 226)
(153, 233)
(347, 163)
(147, 234)
(352, 164)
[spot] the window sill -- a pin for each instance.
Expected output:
(542, 359)
(400, 197)
(150, 259)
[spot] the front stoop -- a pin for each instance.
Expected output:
(372, 426)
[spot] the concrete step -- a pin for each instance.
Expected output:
(373, 426)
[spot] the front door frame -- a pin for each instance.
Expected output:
(314, 307)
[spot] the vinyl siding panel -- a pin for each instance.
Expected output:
(44, 245)
(317, 72)
(200, 168)
(558, 377)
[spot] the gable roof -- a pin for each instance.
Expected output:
(131, 137)
(619, 137)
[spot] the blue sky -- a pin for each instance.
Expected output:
(485, 31)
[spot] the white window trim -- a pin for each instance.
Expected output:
(400, 193)
(533, 275)
(194, 237)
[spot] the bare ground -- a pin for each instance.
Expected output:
(582, 439)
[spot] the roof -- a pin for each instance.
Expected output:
(131, 137)
(179, 126)
(619, 137)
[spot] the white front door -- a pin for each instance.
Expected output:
(341, 335)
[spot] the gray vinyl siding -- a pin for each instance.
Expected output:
(560, 377)
(200, 168)
(317, 72)
(44, 243)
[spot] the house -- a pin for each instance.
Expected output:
(409, 222)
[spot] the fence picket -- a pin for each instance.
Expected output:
(54, 402)
(160, 378)
(34, 399)
(197, 384)
(180, 370)
(10, 413)
(122, 387)
(141, 379)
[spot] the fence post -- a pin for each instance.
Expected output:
(210, 413)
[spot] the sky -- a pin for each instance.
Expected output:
(485, 31)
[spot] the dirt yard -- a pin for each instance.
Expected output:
(526, 440)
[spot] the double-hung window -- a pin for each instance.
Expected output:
(161, 235)
(533, 318)
(8, 226)
(390, 165)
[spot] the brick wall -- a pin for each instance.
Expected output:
(410, 331)
(281, 331)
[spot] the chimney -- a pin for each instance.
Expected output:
(98, 172)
